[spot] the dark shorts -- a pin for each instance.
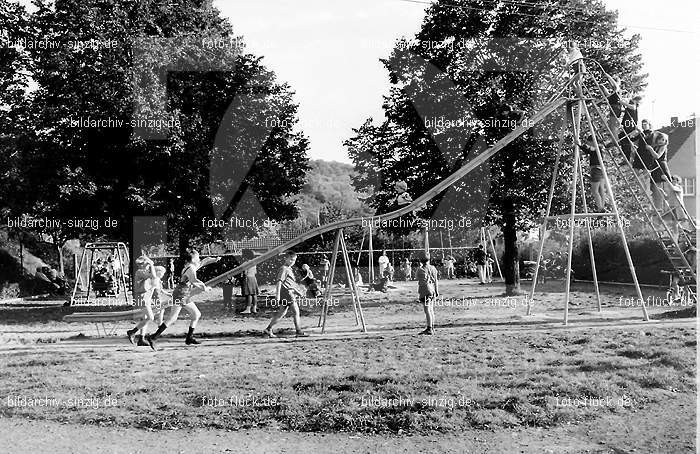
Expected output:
(286, 297)
(181, 295)
(596, 174)
(657, 175)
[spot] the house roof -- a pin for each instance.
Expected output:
(678, 135)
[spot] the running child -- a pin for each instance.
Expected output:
(154, 287)
(427, 290)
(188, 286)
(145, 271)
(286, 295)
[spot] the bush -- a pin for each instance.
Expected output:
(611, 264)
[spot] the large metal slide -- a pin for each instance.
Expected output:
(416, 204)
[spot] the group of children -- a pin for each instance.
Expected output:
(148, 282)
(148, 286)
(646, 149)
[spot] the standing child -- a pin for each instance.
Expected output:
(326, 267)
(171, 274)
(480, 258)
(188, 286)
(287, 294)
(450, 267)
(406, 269)
(249, 285)
(383, 261)
(489, 269)
(427, 291)
(358, 276)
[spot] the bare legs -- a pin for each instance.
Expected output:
(194, 314)
(429, 309)
(251, 304)
(190, 308)
(598, 190)
(281, 312)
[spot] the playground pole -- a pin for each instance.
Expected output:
(359, 254)
(371, 257)
(426, 239)
(329, 284)
(357, 304)
(449, 241)
(590, 240)
(349, 275)
(572, 218)
(620, 224)
(543, 231)
(495, 256)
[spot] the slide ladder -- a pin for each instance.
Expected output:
(660, 220)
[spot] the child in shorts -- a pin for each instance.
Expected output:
(188, 286)
(427, 290)
(156, 284)
(676, 214)
(249, 284)
(286, 295)
(596, 174)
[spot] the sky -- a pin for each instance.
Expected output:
(329, 51)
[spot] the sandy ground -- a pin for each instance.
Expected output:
(464, 304)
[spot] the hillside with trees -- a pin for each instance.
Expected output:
(328, 193)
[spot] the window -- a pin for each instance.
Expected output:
(689, 186)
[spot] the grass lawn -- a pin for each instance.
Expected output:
(469, 376)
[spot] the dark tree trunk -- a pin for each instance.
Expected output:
(183, 243)
(511, 265)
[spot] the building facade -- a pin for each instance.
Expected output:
(682, 158)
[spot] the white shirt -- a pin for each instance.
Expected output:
(383, 262)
